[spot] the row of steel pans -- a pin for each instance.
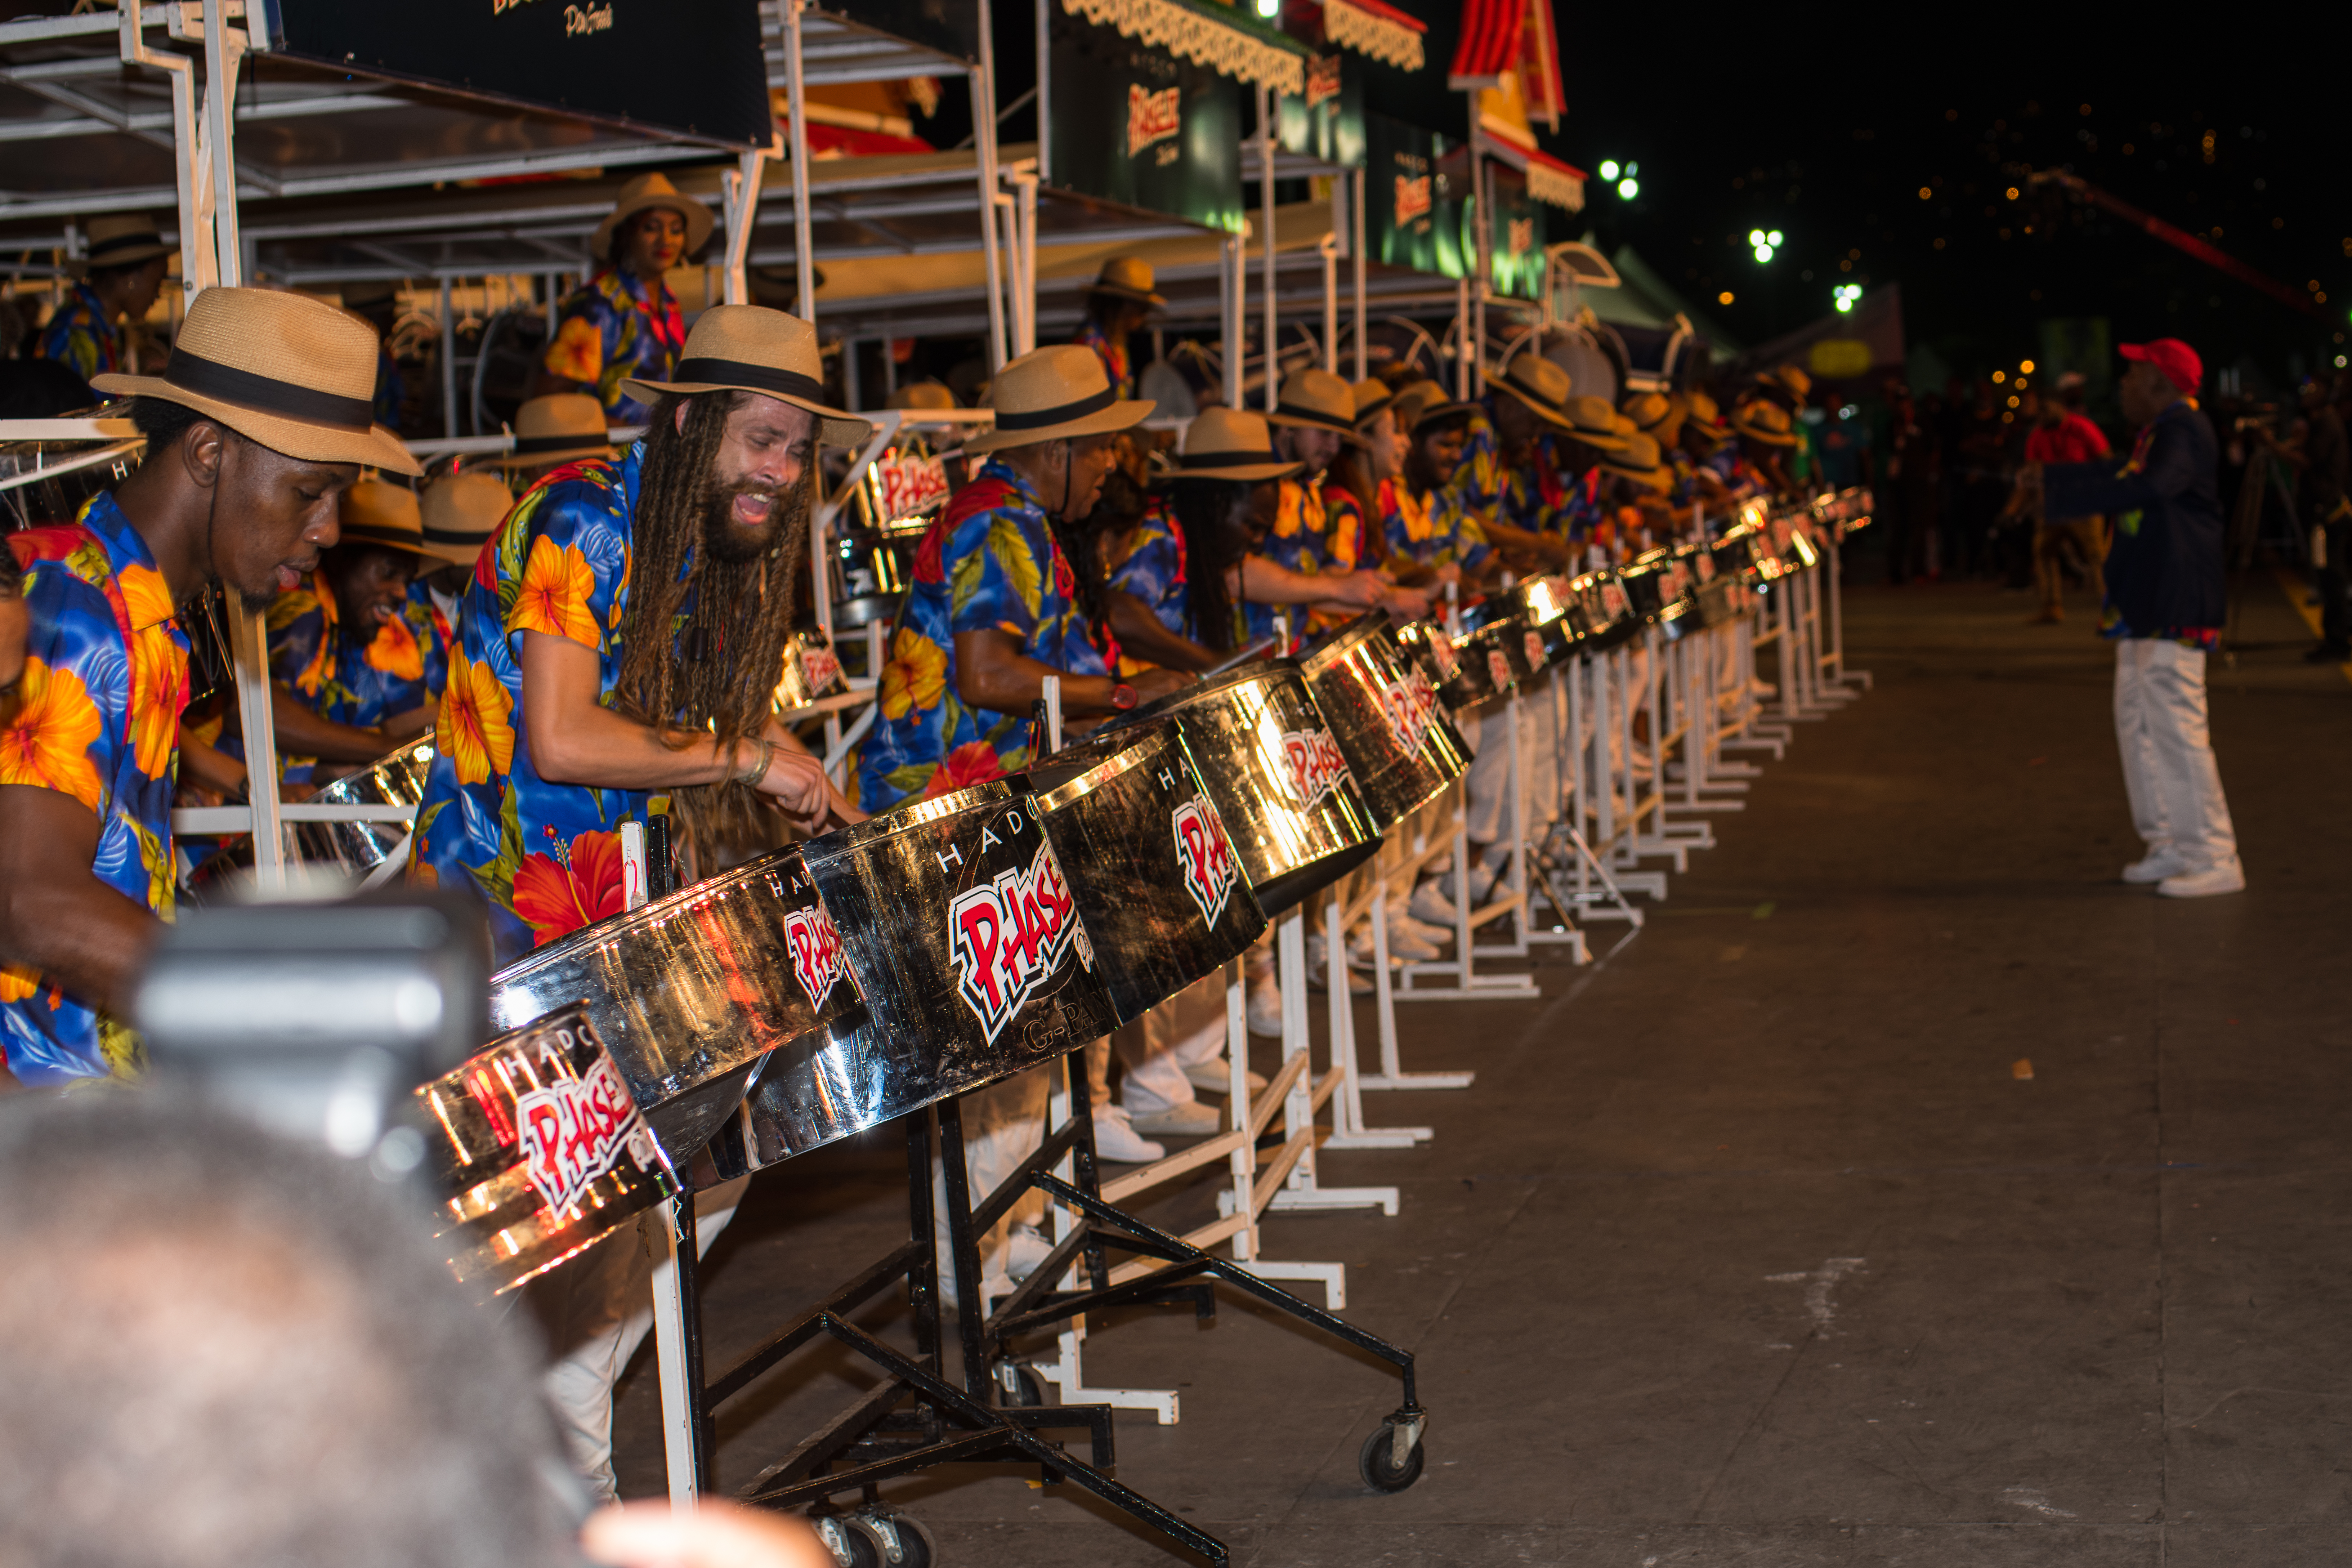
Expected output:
(958, 938)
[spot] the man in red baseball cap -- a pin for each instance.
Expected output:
(2164, 608)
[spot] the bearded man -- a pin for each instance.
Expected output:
(620, 641)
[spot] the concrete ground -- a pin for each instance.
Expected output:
(1754, 1243)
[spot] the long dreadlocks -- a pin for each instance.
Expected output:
(702, 638)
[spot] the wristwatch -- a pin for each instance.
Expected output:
(1122, 696)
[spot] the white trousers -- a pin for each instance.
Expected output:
(1487, 816)
(1186, 1030)
(2168, 754)
(597, 1310)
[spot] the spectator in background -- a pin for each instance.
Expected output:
(1906, 477)
(2321, 459)
(121, 276)
(2164, 609)
(2062, 435)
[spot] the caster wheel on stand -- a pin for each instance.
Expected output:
(852, 1545)
(1017, 1387)
(1377, 1461)
(899, 1540)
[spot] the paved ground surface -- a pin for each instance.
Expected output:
(1749, 1246)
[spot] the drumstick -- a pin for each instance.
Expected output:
(1240, 657)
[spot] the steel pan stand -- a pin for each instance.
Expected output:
(1167, 1270)
(1594, 893)
(1348, 1129)
(1462, 967)
(1297, 1183)
(1702, 727)
(1835, 663)
(1612, 739)
(1402, 874)
(914, 1418)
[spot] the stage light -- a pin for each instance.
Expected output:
(1774, 237)
(1724, 298)
(1763, 253)
(1629, 189)
(2025, 367)
(1754, 236)
(1608, 168)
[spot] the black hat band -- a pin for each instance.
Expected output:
(451, 536)
(526, 445)
(266, 394)
(743, 374)
(368, 534)
(1037, 419)
(123, 242)
(1232, 459)
(1316, 417)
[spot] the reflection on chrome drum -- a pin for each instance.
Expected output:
(1401, 747)
(534, 1149)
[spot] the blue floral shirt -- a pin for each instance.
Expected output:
(990, 563)
(1483, 489)
(341, 680)
(1154, 572)
(1113, 357)
(1429, 529)
(106, 675)
(613, 329)
(545, 857)
(81, 336)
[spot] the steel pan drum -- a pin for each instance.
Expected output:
(1459, 683)
(811, 670)
(1504, 646)
(1606, 609)
(1400, 744)
(535, 1150)
(1276, 775)
(1543, 603)
(964, 934)
(359, 847)
(689, 992)
(1159, 887)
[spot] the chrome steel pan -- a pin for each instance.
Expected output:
(1501, 645)
(534, 1149)
(960, 925)
(1158, 883)
(1276, 775)
(1544, 603)
(1398, 742)
(1607, 609)
(691, 991)
(359, 847)
(1459, 684)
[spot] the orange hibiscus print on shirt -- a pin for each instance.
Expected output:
(916, 675)
(557, 582)
(973, 762)
(48, 743)
(159, 690)
(578, 351)
(394, 651)
(576, 886)
(475, 729)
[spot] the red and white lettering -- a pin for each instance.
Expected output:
(575, 1132)
(1207, 855)
(1008, 937)
(1410, 704)
(1314, 764)
(1151, 117)
(1498, 667)
(818, 962)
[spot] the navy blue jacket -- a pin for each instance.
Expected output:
(2164, 568)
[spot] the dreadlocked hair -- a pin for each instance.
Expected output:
(702, 638)
(1120, 502)
(1210, 512)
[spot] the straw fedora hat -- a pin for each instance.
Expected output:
(386, 516)
(1128, 278)
(1639, 462)
(929, 395)
(1317, 400)
(1231, 444)
(1372, 395)
(1761, 419)
(1784, 380)
(750, 348)
(461, 511)
(645, 192)
(1053, 393)
(1425, 400)
(294, 373)
(557, 428)
(1700, 416)
(1592, 421)
(1653, 414)
(1535, 381)
(121, 239)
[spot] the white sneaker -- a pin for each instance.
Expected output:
(1402, 918)
(1116, 1140)
(1406, 944)
(2228, 877)
(2155, 867)
(1357, 984)
(1189, 1120)
(1215, 1076)
(1024, 1248)
(1429, 904)
(1265, 1009)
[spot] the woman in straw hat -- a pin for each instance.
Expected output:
(1314, 421)
(255, 427)
(993, 608)
(117, 277)
(624, 323)
(1121, 300)
(622, 636)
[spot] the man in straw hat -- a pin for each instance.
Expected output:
(255, 427)
(1428, 540)
(1509, 479)
(550, 430)
(624, 324)
(1314, 421)
(1120, 303)
(1767, 436)
(994, 606)
(117, 277)
(354, 676)
(620, 640)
